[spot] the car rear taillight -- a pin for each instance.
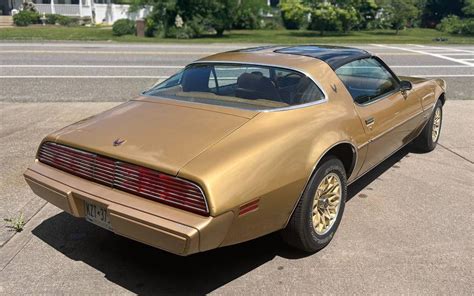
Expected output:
(132, 178)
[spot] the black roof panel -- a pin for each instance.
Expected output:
(334, 56)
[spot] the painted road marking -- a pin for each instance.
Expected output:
(442, 75)
(182, 66)
(89, 52)
(428, 53)
(165, 77)
(445, 49)
(108, 52)
(431, 66)
(95, 66)
(102, 45)
(454, 54)
(86, 77)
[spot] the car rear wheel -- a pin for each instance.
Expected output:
(429, 136)
(319, 211)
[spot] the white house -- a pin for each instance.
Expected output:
(100, 11)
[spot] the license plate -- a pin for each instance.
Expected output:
(97, 215)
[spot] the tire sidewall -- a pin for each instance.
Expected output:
(440, 106)
(317, 241)
(429, 130)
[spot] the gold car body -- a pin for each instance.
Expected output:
(251, 165)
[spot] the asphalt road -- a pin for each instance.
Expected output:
(407, 228)
(93, 72)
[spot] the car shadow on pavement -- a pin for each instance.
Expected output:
(355, 188)
(142, 269)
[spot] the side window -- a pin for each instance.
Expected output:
(366, 80)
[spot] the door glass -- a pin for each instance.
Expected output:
(366, 80)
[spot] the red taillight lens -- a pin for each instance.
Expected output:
(125, 176)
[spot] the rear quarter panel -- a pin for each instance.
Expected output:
(271, 158)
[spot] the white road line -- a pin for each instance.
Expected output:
(94, 66)
(103, 45)
(427, 53)
(431, 66)
(445, 48)
(165, 77)
(182, 66)
(86, 77)
(196, 53)
(458, 54)
(441, 75)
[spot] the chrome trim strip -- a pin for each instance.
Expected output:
(379, 98)
(363, 145)
(324, 100)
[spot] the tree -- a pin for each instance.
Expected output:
(248, 14)
(402, 13)
(294, 13)
(365, 10)
(435, 10)
(347, 17)
(324, 18)
(197, 15)
(468, 8)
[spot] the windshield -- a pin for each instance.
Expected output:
(240, 86)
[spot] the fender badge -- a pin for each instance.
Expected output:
(118, 142)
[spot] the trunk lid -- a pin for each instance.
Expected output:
(160, 135)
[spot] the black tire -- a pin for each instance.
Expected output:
(300, 232)
(425, 142)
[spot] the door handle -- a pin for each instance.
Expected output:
(369, 121)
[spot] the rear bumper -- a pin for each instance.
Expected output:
(158, 225)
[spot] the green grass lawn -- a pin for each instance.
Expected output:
(422, 36)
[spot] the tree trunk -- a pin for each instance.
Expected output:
(219, 32)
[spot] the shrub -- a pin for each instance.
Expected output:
(347, 17)
(123, 27)
(25, 18)
(325, 18)
(454, 25)
(52, 19)
(272, 24)
(450, 24)
(248, 14)
(246, 19)
(294, 14)
(468, 26)
(179, 33)
(197, 27)
(151, 28)
(190, 29)
(66, 20)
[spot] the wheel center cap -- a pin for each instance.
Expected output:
(323, 203)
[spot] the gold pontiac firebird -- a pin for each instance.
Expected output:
(238, 145)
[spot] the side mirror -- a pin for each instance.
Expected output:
(405, 85)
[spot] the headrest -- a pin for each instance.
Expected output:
(255, 86)
(196, 79)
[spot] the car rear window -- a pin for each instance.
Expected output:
(240, 86)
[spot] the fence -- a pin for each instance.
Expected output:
(104, 13)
